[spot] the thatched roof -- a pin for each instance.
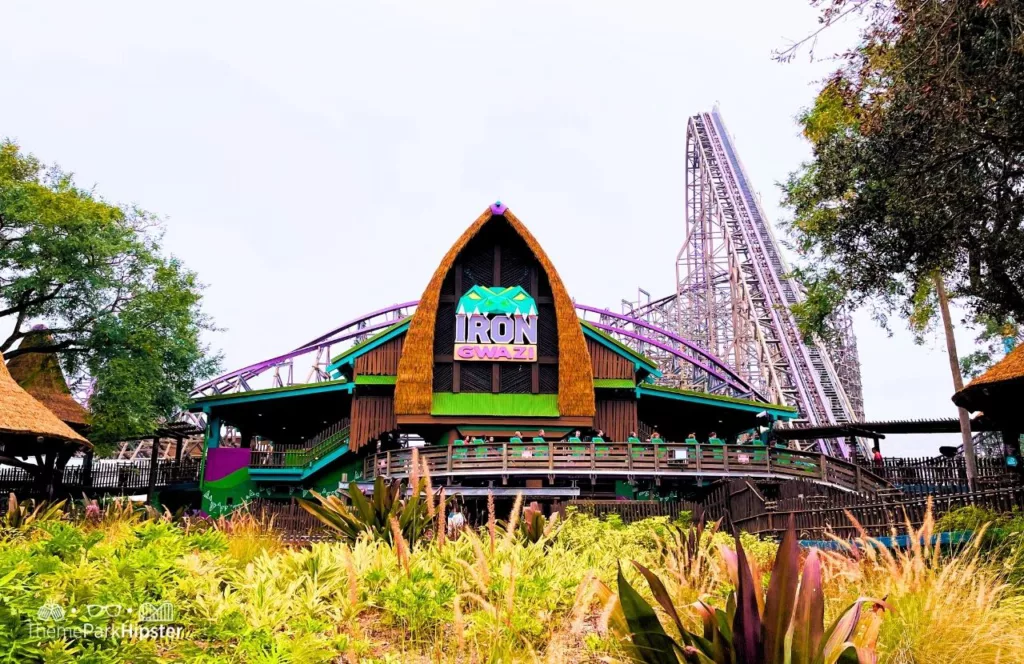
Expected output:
(41, 376)
(1006, 374)
(21, 415)
(414, 388)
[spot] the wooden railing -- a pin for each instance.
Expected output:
(942, 475)
(627, 459)
(300, 455)
(108, 476)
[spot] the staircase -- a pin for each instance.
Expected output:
(299, 462)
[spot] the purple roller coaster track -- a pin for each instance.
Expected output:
(314, 356)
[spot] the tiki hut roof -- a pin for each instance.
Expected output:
(40, 375)
(21, 415)
(992, 389)
(414, 388)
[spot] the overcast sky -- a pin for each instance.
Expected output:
(314, 161)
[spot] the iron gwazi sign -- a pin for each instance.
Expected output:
(496, 324)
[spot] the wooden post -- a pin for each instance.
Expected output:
(629, 456)
(87, 469)
(858, 482)
(504, 449)
(822, 460)
(448, 462)
(657, 465)
(593, 455)
(154, 455)
(698, 453)
(551, 455)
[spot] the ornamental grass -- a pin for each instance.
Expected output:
(242, 595)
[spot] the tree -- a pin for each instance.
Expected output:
(126, 321)
(917, 180)
(918, 163)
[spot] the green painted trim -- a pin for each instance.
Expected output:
(614, 383)
(639, 361)
(376, 380)
(485, 403)
(363, 347)
(271, 393)
(783, 412)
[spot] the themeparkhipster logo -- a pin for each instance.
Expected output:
(148, 621)
(496, 324)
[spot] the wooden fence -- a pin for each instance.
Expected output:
(817, 514)
(943, 475)
(630, 510)
(293, 523)
(108, 476)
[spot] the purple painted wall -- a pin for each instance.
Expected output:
(222, 461)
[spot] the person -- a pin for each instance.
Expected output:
(600, 434)
(713, 439)
(655, 436)
(382, 466)
(518, 434)
(541, 434)
(691, 438)
(575, 434)
(490, 440)
(456, 522)
(876, 455)
(527, 451)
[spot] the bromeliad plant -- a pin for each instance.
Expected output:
(783, 626)
(415, 515)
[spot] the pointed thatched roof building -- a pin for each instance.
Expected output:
(40, 375)
(23, 416)
(999, 391)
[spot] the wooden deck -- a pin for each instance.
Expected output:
(627, 461)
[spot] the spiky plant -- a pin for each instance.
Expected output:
(373, 514)
(789, 629)
(534, 526)
(21, 517)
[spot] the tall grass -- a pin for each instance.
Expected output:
(489, 595)
(948, 606)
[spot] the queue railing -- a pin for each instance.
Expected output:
(627, 459)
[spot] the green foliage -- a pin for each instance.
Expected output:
(970, 517)
(917, 164)
(20, 517)
(122, 316)
(534, 526)
(785, 626)
(415, 515)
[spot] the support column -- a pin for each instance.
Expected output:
(87, 469)
(212, 431)
(153, 459)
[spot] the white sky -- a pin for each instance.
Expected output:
(288, 143)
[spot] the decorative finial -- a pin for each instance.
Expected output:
(498, 208)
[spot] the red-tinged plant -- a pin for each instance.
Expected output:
(745, 633)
